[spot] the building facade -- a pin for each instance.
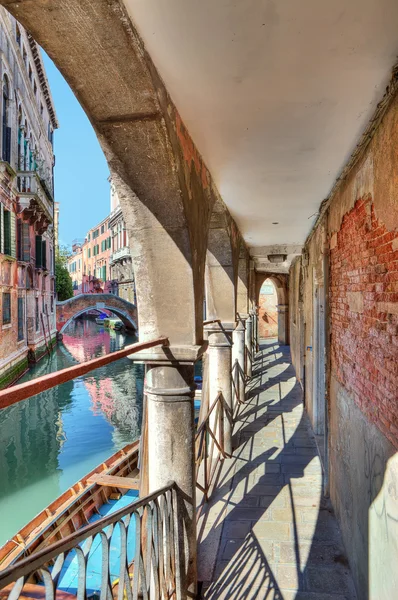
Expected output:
(27, 287)
(103, 263)
(121, 265)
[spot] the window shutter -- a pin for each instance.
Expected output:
(13, 235)
(7, 232)
(25, 242)
(19, 241)
(39, 250)
(44, 255)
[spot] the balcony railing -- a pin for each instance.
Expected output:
(155, 522)
(144, 537)
(30, 185)
(120, 254)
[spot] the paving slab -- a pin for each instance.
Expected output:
(268, 532)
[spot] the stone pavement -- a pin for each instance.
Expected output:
(268, 533)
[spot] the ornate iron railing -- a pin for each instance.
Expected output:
(145, 538)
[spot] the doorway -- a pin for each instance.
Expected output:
(268, 310)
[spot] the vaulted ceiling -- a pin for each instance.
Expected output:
(275, 95)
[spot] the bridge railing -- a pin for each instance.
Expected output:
(15, 394)
(144, 537)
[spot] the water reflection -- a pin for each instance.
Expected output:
(51, 440)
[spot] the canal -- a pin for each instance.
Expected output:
(50, 441)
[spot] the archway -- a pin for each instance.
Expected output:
(268, 310)
(280, 282)
(123, 316)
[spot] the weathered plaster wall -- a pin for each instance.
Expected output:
(363, 488)
(354, 252)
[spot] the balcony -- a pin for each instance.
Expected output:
(35, 199)
(120, 254)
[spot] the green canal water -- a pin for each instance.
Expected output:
(51, 440)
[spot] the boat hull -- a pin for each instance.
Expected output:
(73, 509)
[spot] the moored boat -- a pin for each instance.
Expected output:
(90, 496)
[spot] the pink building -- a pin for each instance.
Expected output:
(89, 264)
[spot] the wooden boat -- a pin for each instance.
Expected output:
(74, 508)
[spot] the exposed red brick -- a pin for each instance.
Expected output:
(365, 344)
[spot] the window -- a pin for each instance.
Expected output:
(39, 252)
(44, 254)
(37, 314)
(6, 149)
(52, 303)
(103, 273)
(102, 228)
(88, 237)
(109, 242)
(95, 234)
(7, 231)
(20, 319)
(23, 241)
(89, 252)
(6, 308)
(50, 133)
(18, 35)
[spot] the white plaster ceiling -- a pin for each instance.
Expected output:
(274, 93)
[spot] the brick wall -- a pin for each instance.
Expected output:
(364, 315)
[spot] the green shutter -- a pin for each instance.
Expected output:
(13, 234)
(44, 255)
(7, 232)
(25, 242)
(39, 252)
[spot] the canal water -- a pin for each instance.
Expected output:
(50, 441)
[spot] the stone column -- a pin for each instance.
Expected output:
(283, 324)
(219, 370)
(254, 342)
(238, 354)
(249, 346)
(169, 389)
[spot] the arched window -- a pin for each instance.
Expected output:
(26, 149)
(6, 150)
(20, 136)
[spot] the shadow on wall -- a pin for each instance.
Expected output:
(365, 498)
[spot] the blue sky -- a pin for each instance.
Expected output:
(81, 171)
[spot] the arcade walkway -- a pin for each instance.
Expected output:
(268, 533)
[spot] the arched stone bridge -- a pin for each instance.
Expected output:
(78, 305)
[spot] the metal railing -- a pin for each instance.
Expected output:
(238, 385)
(144, 536)
(15, 394)
(209, 444)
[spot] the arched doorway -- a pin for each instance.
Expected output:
(268, 310)
(280, 285)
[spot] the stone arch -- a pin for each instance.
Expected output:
(123, 316)
(242, 286)
(164, 187)
(280, 281)
(223, 248)
(70, 309)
